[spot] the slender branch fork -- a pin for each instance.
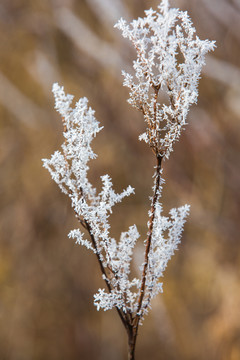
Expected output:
(133, 335)
(130, 321)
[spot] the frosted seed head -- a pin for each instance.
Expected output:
(169, 58)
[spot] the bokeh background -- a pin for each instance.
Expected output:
(46, 281)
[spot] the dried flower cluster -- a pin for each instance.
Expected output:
(169, 58)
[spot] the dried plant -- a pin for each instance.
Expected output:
(169, 59)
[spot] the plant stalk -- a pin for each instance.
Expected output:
(132, 337)
(149, 238)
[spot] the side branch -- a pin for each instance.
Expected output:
(120, 313)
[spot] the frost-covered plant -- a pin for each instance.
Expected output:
(169, 59)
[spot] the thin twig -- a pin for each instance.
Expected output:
(149, 238)
(120, 313)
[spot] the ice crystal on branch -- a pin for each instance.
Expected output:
(162, 248)
(169, 58)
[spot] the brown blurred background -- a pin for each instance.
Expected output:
(46, 282)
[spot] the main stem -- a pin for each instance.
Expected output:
(132, 337)
(150, 229)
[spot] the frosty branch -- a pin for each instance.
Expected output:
(169, 60)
